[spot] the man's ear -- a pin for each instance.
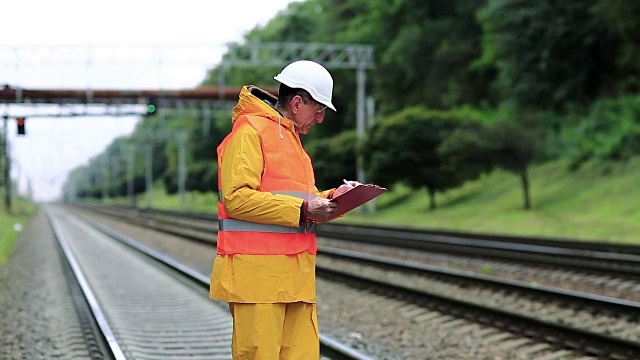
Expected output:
(295, 104)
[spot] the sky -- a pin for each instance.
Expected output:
(54, 38)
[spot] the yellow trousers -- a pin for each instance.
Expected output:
(284, 331)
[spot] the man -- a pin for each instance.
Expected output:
(268, 207)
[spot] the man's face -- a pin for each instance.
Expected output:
(308, 113)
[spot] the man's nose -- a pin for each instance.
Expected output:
(320, 118)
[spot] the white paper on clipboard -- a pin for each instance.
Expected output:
(355, 197)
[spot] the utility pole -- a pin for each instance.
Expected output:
(115, 174)
(15, 189)
(130, 175)
(206, 121)
(7, 166)
(149, 174)
(182, 166)
(360, 124)
(105, 177)
(371, 116)
(30, 190)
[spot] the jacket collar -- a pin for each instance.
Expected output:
(259, 102)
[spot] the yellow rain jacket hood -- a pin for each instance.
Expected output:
(255, 101)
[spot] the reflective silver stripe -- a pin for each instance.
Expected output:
(312, 227)
(298, 194)
(301, 195)
(240, 225)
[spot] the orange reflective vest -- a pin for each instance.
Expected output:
(279, 153)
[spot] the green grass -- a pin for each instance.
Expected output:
(598, 202)
(196, 202)
(22, 211)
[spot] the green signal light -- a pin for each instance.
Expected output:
(151, 109)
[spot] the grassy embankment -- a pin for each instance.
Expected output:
(597, 202)
(12, 223)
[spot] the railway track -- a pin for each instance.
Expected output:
(156, 314)
(588, 269)
(591, 324)
(622, 259)
(151, 315)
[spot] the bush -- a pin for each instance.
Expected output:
(407, 147)
(610, 131)
(334, 159)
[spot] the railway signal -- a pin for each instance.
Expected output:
(152, 105)
(21, 123)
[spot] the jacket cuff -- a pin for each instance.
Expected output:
(331, 192)
(304, 208)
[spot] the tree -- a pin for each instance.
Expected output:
(467, 152)
(404, 148)
(514, 149)
(622, 19)
(334, 159)
(610, 131)
(425, 50)
(548, 53)
(474, 149)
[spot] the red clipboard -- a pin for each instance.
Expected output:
(355, 197)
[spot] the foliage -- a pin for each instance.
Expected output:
(620, 18)
(473, 150)
(514, 149)
(550, 53)
(565, 74)
(610, 131)
(467, 152)
(334, 159)
(513, 145)
(404, 148)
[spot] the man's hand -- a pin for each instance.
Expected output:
(320, 209)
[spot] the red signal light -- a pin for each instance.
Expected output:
(21, 129)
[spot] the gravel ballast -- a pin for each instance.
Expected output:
(37, 315)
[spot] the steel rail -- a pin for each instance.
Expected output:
(99, 315)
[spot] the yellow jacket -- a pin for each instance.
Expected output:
(259, 278)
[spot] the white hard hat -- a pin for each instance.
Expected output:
(310, 76)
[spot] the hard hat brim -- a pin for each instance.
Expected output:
(299, 85)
